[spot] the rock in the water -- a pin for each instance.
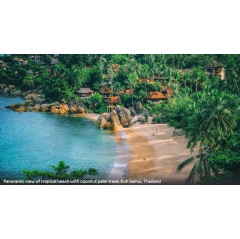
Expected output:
(124, 115)
(54, 110)
(59, 109)
(76, 109)
(37, 107)
(44, 107)
(20, 109)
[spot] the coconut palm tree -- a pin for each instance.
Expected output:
(212, 121)
(145, 73)
(132, 83)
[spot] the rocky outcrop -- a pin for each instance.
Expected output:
(30, 96)
(20, 109)
(124, 115)
(116, 124)
(138, 118)
(54, 108)
(132, 111)
(104, 121)
(138, 107)
(76, 109)
(121, 117)
(59, 109)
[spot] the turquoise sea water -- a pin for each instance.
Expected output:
(36, 140)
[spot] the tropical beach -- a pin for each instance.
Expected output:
(169, 118)
(154, 152)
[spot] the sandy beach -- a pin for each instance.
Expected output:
(156, 153)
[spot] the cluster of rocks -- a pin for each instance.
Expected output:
(122, 117)
(12, 91)
(35, 102)
(54, 108)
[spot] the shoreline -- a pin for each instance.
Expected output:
(156, 154)
(149, 151)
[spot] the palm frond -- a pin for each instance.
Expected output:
(192, 174)
(184, 164)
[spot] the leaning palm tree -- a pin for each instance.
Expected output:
(202, 168)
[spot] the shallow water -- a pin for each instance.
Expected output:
(36, 140)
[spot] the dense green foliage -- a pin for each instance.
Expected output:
(59, 172)
(204, 106)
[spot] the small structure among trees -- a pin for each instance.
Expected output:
(112, 103)
(156, 96)
(85, 92)
(106, 92)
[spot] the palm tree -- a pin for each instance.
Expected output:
(145, 72)
(132, 83)
(209, 125)
(202, 168)
(75, 77)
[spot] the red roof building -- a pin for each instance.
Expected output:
(156, 96)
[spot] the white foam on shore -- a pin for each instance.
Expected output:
(120, 169)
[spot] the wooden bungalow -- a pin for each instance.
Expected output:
(156, 96)
(113, 101)
(85, 92)
(105, 92)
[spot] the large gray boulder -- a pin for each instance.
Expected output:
(132, 111)
(104, 121)
(138, 107)
(124, 115)
(138, 118)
